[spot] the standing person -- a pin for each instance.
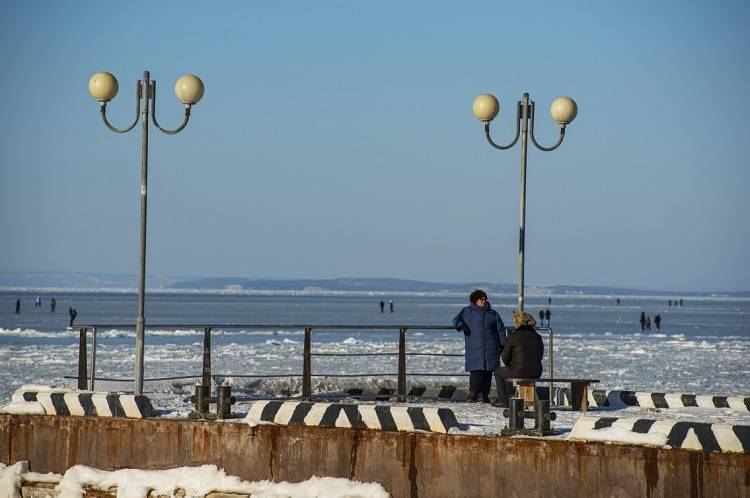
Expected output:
(38, 301)
(18, 306)
(390, 303)
(73, 314)
(648, 323)
(549, 300)
(643, 320)
(657, 321)
(618, 301)
(382, 305)
(541, 317)
(680, 303)
(484, 338)
(670, 303)
(522, 356)
(547, 314)
(52, 305)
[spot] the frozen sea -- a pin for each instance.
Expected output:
(703, 347)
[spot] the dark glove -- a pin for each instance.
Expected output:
(465, 329)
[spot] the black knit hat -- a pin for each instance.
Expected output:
(477, 294)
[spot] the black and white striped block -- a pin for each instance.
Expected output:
(616, 399)
(442, 393)
(447, 393)
(723, 438)
(87, 403)
(386, 418)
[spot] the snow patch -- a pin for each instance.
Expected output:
(199, 481)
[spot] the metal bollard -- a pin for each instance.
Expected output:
(516, 415)
(224, 402)
(542, 416)
(202, 398)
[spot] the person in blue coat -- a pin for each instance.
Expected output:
(484, 338)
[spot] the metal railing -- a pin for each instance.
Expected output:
(84, 381)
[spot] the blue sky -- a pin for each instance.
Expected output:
(336, 139)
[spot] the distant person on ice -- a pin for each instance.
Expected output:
(18, 306)
(38, 301)
(484, 337)
(547, 314)
(657, 321)
(390, 303)
(73, 314)
(522, 356)
(648, 322)
(382, 305)
(52, 305)
(541, 317)
(643, 320)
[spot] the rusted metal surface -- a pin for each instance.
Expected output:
(406, 464)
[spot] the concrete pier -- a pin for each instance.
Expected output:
(406, 464)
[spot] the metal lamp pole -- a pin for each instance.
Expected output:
(189, 90)
(563, 110)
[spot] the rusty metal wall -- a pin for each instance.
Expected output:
(406, 464)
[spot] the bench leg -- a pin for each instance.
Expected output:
(579, 396)
(528, 393)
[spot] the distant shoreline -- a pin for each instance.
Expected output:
(368, 293)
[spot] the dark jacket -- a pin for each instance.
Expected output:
(523, 353)
(486, 337)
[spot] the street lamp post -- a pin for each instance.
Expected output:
(189, 90)
(563, 111)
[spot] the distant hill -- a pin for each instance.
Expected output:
(93, 281)
(342, 284)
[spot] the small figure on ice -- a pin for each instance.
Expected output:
(657, 321)
(73, 314)
(18, 306)
(382, 305)
(390, 303)
(52, 305)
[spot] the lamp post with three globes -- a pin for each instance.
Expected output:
(189, 90)
(563, 110)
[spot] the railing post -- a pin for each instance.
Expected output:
(207, 356)
(82, 367)
(307, 365)
(402, 364)
(93, 358)
(551, 373)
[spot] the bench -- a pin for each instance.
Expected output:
(579, 390)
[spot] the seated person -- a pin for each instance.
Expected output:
(522, 356)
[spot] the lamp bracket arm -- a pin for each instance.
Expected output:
(533, 138)
(185, 119)
(103, 111)
(515, 139)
